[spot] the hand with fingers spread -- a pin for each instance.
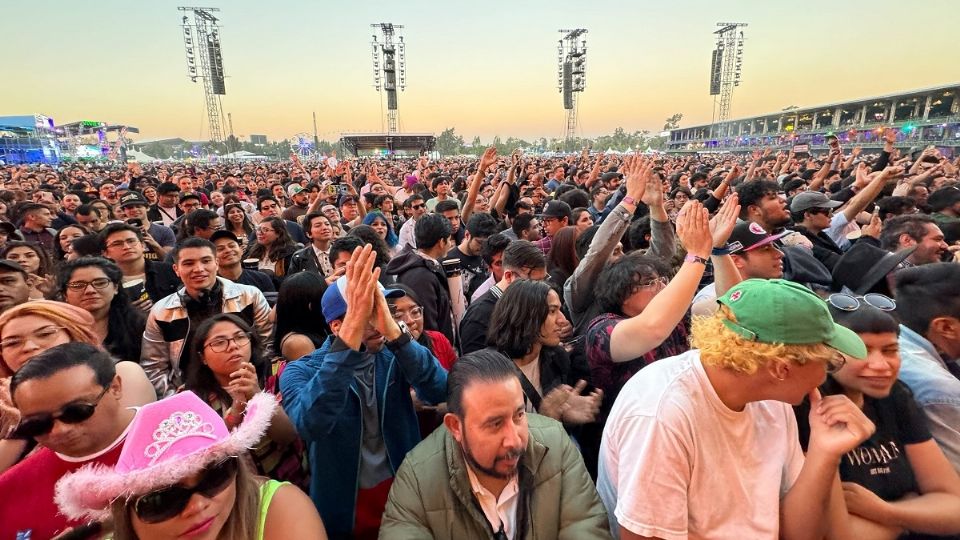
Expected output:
(554, 403)
(652, 191)
(722, 224)
(693, 229)
(837, 425)
(582, 409)
(874, 227)
(636, 170)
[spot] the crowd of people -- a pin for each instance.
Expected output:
(575, 346)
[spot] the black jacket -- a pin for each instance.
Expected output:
(429, 284)
(476, 321)
(160, 280)
(304, 259)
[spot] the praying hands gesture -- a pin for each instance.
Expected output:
(693, 229)
(637, 171)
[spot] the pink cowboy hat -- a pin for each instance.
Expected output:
(168, 441)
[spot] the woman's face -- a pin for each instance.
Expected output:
(217, 198)
(553, 324)
(229, 360)
(150, 194)
(202, 519)
(406, 310)
(27, 336)
(25, 257)
(89, 297)
(235, 215)
(680, 198)
(103, 210)
(643, 292)
(265, 234)
(584, 222)
(379, 226)
(875, 375)
(67, 236)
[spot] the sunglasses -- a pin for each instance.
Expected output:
(834, 365)
(418, 206)
(823, 211)
(849, 302)
(41, 424)
(163, 504)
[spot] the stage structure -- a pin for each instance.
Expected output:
(725, 67)
(389, 67)
(201, 41)
(571, 75)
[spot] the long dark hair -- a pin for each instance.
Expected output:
(200, 378)
(228, 225)
(57, 250)
(424, 339)
(299, 309)
(370, 236)
(563, 252)
(46, 265)
(518, 317)
(125, 324)
(281, 248)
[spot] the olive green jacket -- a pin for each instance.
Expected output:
(431, 495)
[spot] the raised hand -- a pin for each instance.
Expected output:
(361, 282)
(635, 170)
(722, 224)
(693, 229)
(554, 403)
(243, 383)
(837, 425)
(652, 191)
(874, 227)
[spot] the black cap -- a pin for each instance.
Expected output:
(749, 235)
(134, 198)
(557, 209)
(223, 234)
(10, 265)
(190, 195)
(607, 176)
(9, 228)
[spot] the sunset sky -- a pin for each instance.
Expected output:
(485, 68)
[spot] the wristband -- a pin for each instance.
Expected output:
(628, 200)
(720, 251)
(695, 259)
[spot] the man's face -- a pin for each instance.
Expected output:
(453, 216)
(558, 174)
(493, 431)
(819, 218)
(419, 208)
(123, 247)
(764, 262)
(340, 263)
(108, 192)
(533, 233)
(550, 329)
(70, 203)
(136, 211)
(277, 191)
(78, 384)
(168, 199)
(196, 268)
(269, 208)
(320, 229)
(349, 210)
(41, 218)
(189, 205)
(300, 199)
(213, 226)
(551, 225)
(773, 211)
(185, 184)
(93, 221)
(931, 246)
(14, 289)
(228, 252)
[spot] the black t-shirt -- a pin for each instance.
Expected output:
(880, 463)
(473, 270)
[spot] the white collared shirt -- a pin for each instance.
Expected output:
(498, 511)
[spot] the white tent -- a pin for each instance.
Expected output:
(140, 157)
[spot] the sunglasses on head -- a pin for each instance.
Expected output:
(163, 504)
(32, 427)
(849, 302)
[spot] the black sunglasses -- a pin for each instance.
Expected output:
(163, 504)
(41, 424)
(849, 302)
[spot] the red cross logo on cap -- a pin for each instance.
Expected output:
(756, 229)
(736, 296)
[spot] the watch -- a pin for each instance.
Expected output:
(404, 338)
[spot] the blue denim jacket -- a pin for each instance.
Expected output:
(936, 390)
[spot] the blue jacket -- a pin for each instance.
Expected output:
(321, 397)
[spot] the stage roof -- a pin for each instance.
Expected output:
(394, 142)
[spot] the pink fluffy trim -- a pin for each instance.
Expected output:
(89, 492)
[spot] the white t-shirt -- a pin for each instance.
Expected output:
(676, 463)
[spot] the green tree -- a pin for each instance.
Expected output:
(449, 143)
(673, 122)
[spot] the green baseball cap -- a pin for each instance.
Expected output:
(781, 311)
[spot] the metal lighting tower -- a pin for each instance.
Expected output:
(389, 58)
(201, 39)
(571, 75)
(726, 65)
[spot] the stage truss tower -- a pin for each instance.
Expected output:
(201, 41)
(727, 63)
(571, 75)
(389, 67)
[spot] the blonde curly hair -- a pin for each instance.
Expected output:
(719, 346)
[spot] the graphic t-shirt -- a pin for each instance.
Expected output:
(473, 270)
(880, 463)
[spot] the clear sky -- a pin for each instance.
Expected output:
(485, 68)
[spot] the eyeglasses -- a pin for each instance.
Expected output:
(418, 206)
(662, 281)
(415, 313)
(820, 211)
(122, 243)
(222, 344)
(849, 302)
(34, 426)
(41, 336)
(163, 504)
(98, 284)
(836, 363)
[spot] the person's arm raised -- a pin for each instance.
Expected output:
(488, 158)
(866, 195)
(361, 283)
(647, 330)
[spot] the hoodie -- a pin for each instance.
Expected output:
(429, 283)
